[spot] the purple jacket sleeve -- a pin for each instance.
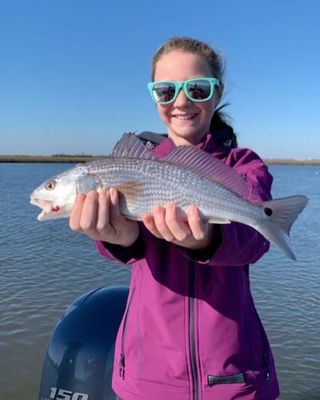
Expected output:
(239, 243)
(127, 255)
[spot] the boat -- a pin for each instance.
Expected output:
(79, 360)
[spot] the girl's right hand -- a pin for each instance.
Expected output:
(98, 216)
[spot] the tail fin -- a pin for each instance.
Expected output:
(280, 216)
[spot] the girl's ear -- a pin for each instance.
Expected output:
(219, 92)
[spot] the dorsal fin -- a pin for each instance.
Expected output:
(188, 157)
(206, 164)
(131, 146)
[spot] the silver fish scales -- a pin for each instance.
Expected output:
(186, 176)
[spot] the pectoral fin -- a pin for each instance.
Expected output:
(216, 220)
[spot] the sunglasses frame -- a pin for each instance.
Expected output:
(183, 85)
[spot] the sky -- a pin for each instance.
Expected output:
(73, 73)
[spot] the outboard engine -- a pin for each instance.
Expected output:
(79, 360)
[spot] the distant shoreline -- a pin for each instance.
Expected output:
(84, 158)
(48, 159)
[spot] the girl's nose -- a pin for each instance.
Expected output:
(181, 99)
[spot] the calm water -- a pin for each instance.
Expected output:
(45, 266)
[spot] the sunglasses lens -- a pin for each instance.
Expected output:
(163, 92)
(199, 89)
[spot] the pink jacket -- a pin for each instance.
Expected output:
(190, 329)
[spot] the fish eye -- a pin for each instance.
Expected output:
(50, 185)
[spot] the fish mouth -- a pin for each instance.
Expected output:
(45, 205)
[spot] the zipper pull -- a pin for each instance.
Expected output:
(121, 366)
(267, 375)
(267, 365)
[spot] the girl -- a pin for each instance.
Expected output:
(190, 330)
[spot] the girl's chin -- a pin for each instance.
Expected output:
(186, 136)
(185, 127)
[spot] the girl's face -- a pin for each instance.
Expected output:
(187, 121)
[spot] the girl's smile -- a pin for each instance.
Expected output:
(184, 116)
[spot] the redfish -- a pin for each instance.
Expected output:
(186, 176)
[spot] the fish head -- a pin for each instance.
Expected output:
(57, 195)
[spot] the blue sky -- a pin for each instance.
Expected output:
(73, 73)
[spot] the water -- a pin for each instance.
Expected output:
(45, 266)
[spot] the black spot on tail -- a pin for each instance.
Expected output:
(268, 211)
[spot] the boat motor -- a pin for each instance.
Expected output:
(79, 360)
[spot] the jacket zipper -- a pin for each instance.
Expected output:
(267, 373)
(192, 338)
(267, 366)
(124, 329)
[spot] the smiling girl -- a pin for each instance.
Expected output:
(190, 329)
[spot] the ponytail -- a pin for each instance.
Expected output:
(219, 122)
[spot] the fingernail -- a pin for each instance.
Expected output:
(113, 194)
(80, 197)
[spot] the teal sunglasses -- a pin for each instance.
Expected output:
(196, 89)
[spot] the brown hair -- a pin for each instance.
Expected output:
(187, 44)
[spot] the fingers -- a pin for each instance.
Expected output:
(98, 215)
(160, 223)
(88, 218)
(103, 214)
(198, 227)
(178, 225)
(84, 213)
(166, 223)
(90, 214)
(157, 225)
(170, 223)
(115, 214)
(150, 224)
(76, 212)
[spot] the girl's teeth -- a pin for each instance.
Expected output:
(184, 117)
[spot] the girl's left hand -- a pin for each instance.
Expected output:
(168, 224)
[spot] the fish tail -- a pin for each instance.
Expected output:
(280, 215)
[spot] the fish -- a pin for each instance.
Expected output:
(186, 176)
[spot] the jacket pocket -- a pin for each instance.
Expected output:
(123, 337)
(223, 379)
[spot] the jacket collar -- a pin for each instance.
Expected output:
(217, 143)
